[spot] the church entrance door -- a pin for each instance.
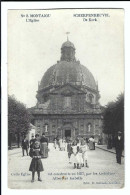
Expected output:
(67, 133)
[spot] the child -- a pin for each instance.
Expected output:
(69, 150)
(84, 149)
(55, 143)
(36, 163)
(79, 156)
(74, 154)
(62, 145)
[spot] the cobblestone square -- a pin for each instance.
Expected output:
(103, 171)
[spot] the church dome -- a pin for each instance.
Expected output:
(68, 70)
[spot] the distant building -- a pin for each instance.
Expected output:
(68, 99)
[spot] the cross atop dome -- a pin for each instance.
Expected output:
(68, 43)
(67, 35)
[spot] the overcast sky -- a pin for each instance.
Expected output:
(34, 47)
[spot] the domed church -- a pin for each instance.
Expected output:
(68, 99)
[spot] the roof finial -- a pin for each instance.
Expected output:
(67, 35)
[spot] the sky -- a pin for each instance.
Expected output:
(33, 47)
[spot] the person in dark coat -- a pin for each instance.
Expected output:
(119, 147)
(109, 142)
(32, 141)
(25, 145)
(36, 163)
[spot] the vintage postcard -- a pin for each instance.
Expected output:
(66, 99)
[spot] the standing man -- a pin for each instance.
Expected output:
(119, 147)
(25, 145)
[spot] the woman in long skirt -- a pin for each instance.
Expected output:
(91, 143)
(44, 146)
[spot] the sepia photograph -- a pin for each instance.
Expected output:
(66, 99)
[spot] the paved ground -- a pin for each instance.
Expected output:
(104, 147)
(103, 171)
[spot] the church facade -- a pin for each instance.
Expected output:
(68, 99)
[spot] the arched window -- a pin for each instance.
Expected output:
(46, 127)
(67, 102)
(89, 126)
(53, 129)
(45, 98)
(38, 121)
(91, 98)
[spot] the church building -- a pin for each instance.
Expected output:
(68, 99)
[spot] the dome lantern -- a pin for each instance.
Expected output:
(68, 51)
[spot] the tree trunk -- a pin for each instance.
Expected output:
(18, 140)
(10, 141)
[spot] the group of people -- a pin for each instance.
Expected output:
(117, 142)
(38, 150)
(77, 153)
(60, 143)
(77, 149)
